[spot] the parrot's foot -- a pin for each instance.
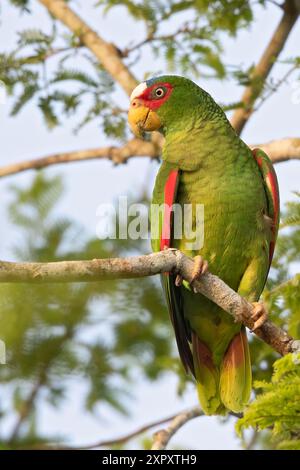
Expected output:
(259, 315)
(200, 268)
(178, 280)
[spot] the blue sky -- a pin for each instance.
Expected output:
(89, 184)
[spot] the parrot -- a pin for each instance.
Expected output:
(205, 162)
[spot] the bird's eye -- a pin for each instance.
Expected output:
(159, 92)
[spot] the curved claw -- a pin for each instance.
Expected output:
(200, 268)
(259, 315)
(178, 280)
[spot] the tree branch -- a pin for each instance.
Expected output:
(140, 266)
(133, 148)
(152, 38)
(162, 437)
(28, 405)
(265, 65)
(103, 443)
(273, 88)
(106, 53)
(278, 150)
(25, 411)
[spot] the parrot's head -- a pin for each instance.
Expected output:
(166, 102)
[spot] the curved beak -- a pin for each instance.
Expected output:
(141, 118)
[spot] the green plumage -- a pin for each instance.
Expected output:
(218, 170)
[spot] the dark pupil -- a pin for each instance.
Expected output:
(159, 92)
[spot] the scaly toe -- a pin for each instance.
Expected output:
(200, 268)
(178, 280)
(259, 315)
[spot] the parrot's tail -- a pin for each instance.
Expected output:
(227, 387)
(207, 377)
(235, 374)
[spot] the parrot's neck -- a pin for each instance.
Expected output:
(204, 144)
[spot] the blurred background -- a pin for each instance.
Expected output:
(90, 362)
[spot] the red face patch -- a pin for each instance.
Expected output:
(156, 95)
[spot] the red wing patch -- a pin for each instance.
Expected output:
(272, 192)
(173, 293)
(170, 193)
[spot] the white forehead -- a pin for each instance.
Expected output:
(138, 90)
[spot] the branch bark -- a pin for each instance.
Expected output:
(162, 437)
(281, 150)
(103, 443)
(106, 53)
(133, 148)
(278, 150)
(140, 266)
(265, 65)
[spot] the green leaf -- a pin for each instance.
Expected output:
(76, 75)
(45, 105)
(28, 93)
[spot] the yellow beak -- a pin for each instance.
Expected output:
(142, 119)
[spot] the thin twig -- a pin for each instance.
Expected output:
(151, 38)
(163, 437)
(25, 411)
(29, 403)
(273, 89)
(104, 443)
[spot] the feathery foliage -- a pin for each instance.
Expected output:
(277, 408)
(105, 333)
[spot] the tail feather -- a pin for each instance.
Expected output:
(235, 374)
(229, 386)
(207, 377)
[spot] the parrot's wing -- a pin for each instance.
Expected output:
(272, 192)
(173, 295)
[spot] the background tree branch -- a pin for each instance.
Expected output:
(163, 437)
(140, 266)
(26, 409)
(278, 150)
(265, 65)
(106, 442)
(132, 148)
(281, 150)
(106, 53)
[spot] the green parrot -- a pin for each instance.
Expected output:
(205, 162)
